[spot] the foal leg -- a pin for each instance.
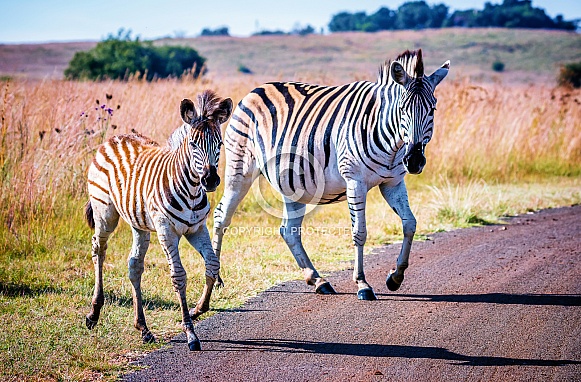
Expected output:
(169, 241)
(106, 219)
(397, 198)
(356, 199)
(290, 230)
(135, 265)
(200, 240)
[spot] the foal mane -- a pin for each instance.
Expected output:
(206, 104)
(412, 62)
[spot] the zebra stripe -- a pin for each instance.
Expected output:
(342, 139)
(161, 189)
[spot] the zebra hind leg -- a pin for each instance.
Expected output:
(290, 230)
(356, 199)
(105, 219)
(136, 266)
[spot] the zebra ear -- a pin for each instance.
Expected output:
(188, 111)
(437, 77)
(398, 73)
(222, 113)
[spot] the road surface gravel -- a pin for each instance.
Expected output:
(492, 303)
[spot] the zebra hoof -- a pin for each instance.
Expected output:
(392, 285)
(366, 294)
(325, 288)
(90, 323)
(195, 345)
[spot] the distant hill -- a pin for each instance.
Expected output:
(528, 55)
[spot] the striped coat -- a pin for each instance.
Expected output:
(160, 189)
(325, 144)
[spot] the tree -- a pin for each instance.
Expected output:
(413, 15)
(438, 15)
(509, 14)
(383, 19)
(418, 14)
(222, 31)
(345, 21)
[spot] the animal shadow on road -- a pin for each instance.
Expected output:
(377, 350)
(495, 298)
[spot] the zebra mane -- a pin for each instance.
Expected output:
(411, 61)
(206, 104)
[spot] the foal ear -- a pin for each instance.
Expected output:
(222, 113)
(188, 111)
(398, 73)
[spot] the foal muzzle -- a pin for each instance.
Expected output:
(210, 179)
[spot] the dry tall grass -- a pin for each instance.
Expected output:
(50, 130)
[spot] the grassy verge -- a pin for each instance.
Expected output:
(47, 284)
(498, 150)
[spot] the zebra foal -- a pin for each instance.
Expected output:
(160, 189)
(325, 144)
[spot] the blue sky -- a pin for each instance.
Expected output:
(80, 20)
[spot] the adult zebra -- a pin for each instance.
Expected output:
(324, 144)
(160, 189)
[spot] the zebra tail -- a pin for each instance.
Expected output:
(89, 215)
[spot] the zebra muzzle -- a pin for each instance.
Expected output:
(210, 179)
(414, 161)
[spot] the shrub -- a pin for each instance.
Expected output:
(221, 31)
(119, 56)
(244, 69)
(498, 66)
(570, 75)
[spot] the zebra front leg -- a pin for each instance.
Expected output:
(169, 241)
(106, 219)
(136, 266)
(356, 198)
(237, 184)
(397, 198)
(200, 240)
(290, 230)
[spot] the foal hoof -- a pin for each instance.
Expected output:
(325, 288)
(392, 285)
(148, 338)
(366, 294)
(195, 345)
(90, 323)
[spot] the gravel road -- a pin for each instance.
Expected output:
(493, 303)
